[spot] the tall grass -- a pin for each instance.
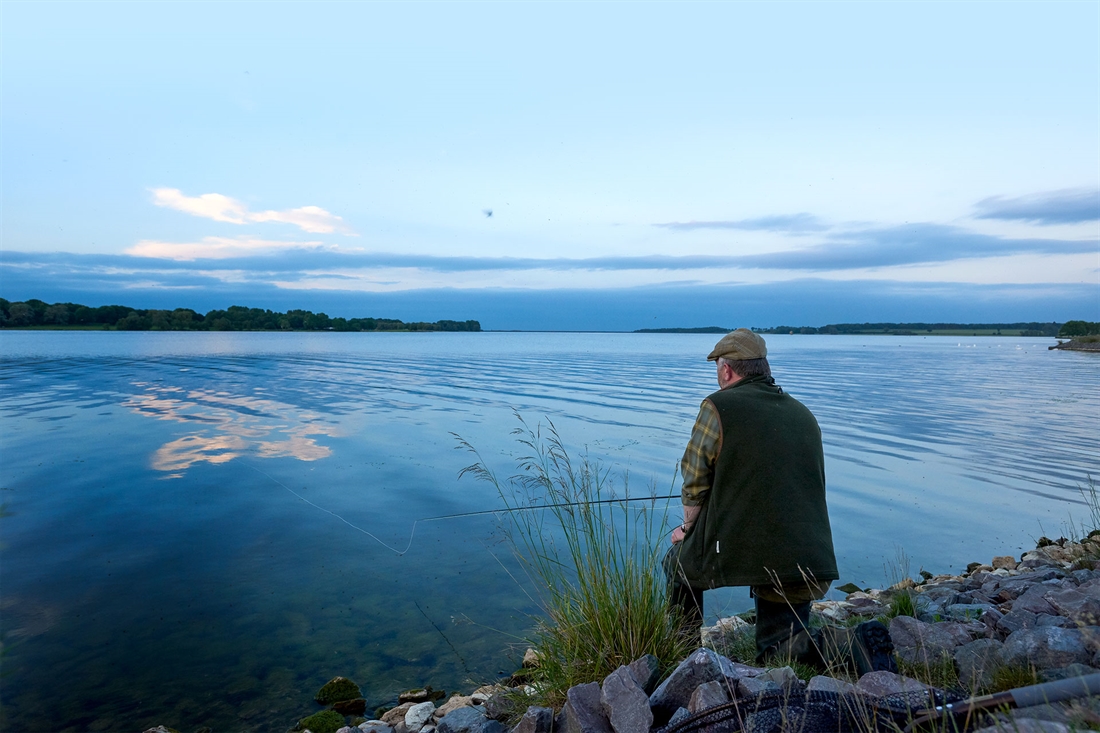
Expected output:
(595, 561)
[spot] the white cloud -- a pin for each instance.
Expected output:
(215, 206)
(216, 248)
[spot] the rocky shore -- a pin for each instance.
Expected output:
(1082, 344)
(998, 626)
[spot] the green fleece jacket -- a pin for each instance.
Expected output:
(764, 518)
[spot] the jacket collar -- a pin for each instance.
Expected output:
(768, 381)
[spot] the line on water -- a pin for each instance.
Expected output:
(483, 512)
(327, 511)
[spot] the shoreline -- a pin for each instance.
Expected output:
(1076, 345)
(998, 625)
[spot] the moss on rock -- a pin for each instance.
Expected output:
(326, 721)
(337, 689)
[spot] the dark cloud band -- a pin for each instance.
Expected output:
(1067, 206)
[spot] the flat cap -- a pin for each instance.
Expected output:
(739, 345)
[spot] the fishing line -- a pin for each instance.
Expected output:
(327, 511)
(483, 512)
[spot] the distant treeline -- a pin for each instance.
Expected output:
(913, 329)
(702, 329)
(1071, 329)
(235, 318)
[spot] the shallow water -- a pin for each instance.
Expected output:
(170, 550)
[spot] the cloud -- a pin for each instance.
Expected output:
(249, 259)
(910, 244)
(791, 223)
(312, 219)
(214, 248)
(1065, 206)
(226, 426)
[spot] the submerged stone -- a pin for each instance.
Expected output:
(336, 690)
(326, 721)
(358, 706)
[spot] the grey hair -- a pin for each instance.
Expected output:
(746, 368)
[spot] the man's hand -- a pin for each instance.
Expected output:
(691, 513)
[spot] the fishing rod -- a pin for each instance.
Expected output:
(550, 506)
(1021, 697)
(483, 512)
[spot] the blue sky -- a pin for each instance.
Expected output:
(644, 164)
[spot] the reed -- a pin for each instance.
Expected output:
(594, 560)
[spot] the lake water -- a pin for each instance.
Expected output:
(170, 550)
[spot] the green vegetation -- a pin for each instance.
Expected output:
(595, 562)
(703, 329)
(326, 721)
(938, 672)
(1009, 678)
(37, 314)
(337, 689)
(1074, 329)
(926, 329)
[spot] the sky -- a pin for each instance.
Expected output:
(576, 166)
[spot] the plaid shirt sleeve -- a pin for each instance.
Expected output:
(697, 466)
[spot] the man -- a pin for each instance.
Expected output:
(755, 514)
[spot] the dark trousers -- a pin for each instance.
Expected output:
(782, 628)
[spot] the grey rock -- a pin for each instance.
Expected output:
(583, 710)
(785, 677)
(1083, 576)
(498, 707)
(990, 621)
(536, 720)
(865, 607)
(930, 611)
(734, 671)
(753, 687)
(375, 726)
(1015, 620)
(967, 611)
(1045, 619)
(962, 633)
(625, 703)
(675, 692)
(1045, 648)
(940, 593)
(980, 578)
(1090, 636)
(647, 672)
(418, 715)
(396, 715)
(1063, 583)
(978, 661)
(468, 720)
(708, 695)
(829, 684)
(679, 716)
(1035, 563)
(1065, 673)
(1032, 600)
(1080, 606)
(882, 683)
(916, 641)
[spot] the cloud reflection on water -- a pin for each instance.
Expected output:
(232, 426)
